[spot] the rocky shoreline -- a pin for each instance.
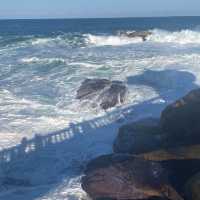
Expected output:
(152, 158)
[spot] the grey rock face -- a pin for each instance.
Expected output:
(107, 93)
(91, 86)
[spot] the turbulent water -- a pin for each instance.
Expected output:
(43, 62)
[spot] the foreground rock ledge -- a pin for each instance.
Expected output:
(124, 177)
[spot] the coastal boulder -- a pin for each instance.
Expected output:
(91, 86)
(181, 120)
(139, 137)
(115, 94)
(123, 177)
(102, 92)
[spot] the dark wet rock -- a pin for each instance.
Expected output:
(123, 177)
(91, 86)
(113, 95)
(192, 188)
(103, 92)
(180, 120)
(176, 135)
(134, 34)
(139, 137)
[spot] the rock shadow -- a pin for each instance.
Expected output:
(169, 84)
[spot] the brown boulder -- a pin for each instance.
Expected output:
(123, 177)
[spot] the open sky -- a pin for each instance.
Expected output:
(97, 8)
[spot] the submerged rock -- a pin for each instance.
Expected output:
(103, 92)
(125, 177)
(139, 137)
(133, 34)
(180, 120)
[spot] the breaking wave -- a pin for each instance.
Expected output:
(30, 60)
(39, 77)
(110, 40)
(158, 36)
(180, 37)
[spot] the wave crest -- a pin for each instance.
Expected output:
(180, 37)
(42, 60)
(110, 40)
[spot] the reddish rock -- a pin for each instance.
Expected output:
(124, 177)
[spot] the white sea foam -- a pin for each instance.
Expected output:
(180, 37)
(41, 60)
(85, 64)
(158, 36)
(110, 40)
(34, 99)
(41, 41)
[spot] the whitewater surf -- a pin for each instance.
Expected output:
(40, 73)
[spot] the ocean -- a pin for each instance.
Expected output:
(42, 64)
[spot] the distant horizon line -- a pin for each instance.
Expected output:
(77, 18)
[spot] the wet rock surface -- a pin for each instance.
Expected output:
(91, 86)
(107, 93)
(115, 94)
(120, 176)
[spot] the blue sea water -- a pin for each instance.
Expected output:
(43, 62)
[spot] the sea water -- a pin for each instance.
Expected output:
(42, 64)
